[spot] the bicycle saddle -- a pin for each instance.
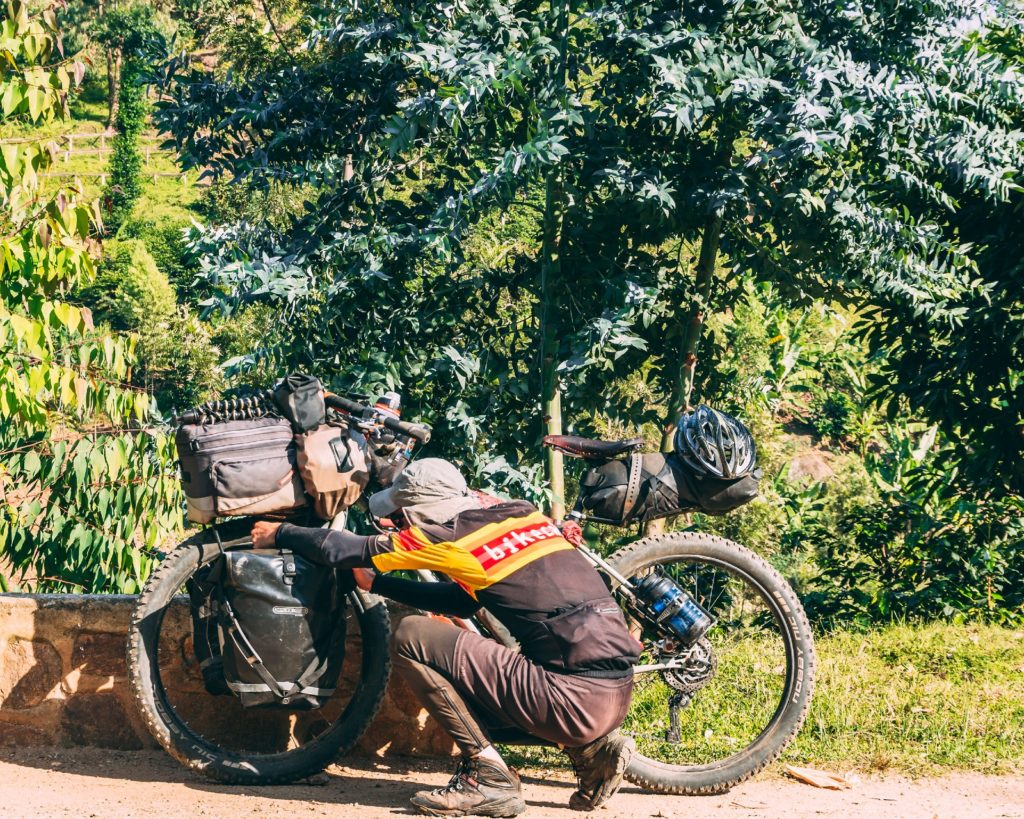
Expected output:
(590, 449)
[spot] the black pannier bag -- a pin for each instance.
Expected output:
(269, 627)
(236, 468)
(651, 485)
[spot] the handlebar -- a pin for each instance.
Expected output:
(421, 432)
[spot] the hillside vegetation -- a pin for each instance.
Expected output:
(548, 217)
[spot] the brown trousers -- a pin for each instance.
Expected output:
(477, 689)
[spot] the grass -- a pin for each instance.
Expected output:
(917, 700)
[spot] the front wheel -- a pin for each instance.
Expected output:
(215, 736)
(708, 717)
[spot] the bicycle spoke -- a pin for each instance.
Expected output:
(725, 710)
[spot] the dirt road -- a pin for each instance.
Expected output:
(97, 783)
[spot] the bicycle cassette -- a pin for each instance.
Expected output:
(695, 672)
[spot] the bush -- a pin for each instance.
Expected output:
(168, 246)
(927, 548)
(181, 364)
(125, 186)
(177, 359)
(129, 292)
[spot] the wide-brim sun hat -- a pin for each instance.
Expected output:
(431, 490)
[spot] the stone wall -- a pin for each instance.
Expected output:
(63, 681)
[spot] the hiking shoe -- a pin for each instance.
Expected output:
(477, 788)
(600, 766)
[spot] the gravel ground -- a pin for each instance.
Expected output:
(97, 783)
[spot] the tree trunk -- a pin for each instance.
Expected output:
(551, 398)
(682, 384)
(113, 87)
(551, 284)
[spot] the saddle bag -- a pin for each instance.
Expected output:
(654, 485)
(269, 628)
(239, 468)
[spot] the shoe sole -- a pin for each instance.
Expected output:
(506, 808)
(611, 784)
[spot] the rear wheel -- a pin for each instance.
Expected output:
(707, 718)
(215, 735)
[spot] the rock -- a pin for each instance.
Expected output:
(814, 464)
(13, 735)
(100, 655)
(29, 670)
(99, 720)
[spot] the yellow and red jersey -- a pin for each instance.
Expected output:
(480, 558)
(509, 558)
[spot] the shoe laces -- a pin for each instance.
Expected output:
(457, 782)
(576, 772)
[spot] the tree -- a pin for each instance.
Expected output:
(821, 146)
(82, 479)
(966, 374)
(131, 34)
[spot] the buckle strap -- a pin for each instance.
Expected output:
(251, 656)
(633, 486)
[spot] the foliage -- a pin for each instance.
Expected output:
(967, 375)
(130, 31)
(81, 479)
(165, 240)
(176, 359)
(928, 548)
(633, 135)
(180, 362)
(129, 292)
(125, 185)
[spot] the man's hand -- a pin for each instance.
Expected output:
(264, 534)
(572, 532)
(364, 578)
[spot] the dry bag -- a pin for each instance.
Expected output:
(269, 627)
(332, 463)
(653, 485)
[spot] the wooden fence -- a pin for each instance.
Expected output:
(103, 176)
(98, 138)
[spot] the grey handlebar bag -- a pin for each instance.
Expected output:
(269, 627)
(238, 468)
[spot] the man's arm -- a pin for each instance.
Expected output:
(338, 549)
(440, 598)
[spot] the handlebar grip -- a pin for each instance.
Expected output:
(421, 432)
(346, 404)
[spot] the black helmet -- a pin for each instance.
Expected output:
(715, 444)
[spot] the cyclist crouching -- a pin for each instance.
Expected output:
(570, 685)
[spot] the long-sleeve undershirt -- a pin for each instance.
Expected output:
(338, 549)
(341, 549)
(440, 598)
